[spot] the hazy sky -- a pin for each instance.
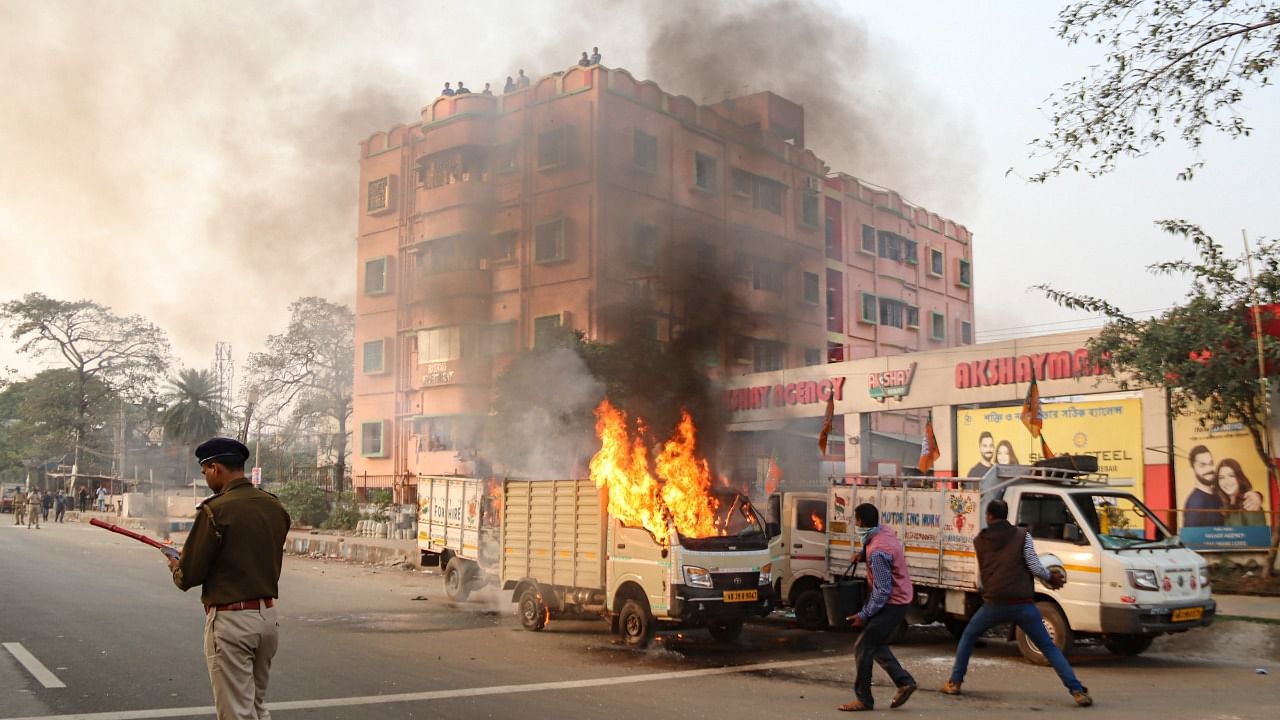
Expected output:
(196, 162)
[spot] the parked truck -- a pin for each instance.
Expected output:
(1130, 579)
(458, 530)
(563, 554)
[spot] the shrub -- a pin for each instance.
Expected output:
(306, 503)
(346, 513)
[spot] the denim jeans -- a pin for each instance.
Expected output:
(1027, 617)
(872, 647)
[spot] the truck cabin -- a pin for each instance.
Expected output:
(740, 526)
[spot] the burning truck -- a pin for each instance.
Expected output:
(642, 542)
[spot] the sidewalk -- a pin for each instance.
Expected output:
(374, 550)
(1258, 607)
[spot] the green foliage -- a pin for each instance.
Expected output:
(1171, 66)
(380, 496)
(192, 415)
(345, 514)
(306, 503)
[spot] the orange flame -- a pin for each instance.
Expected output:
(817, 521)
(677, 488)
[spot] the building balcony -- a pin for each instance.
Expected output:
(470, 192)
(433, 287)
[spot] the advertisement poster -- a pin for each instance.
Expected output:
(1221, 487)
(1110, 430)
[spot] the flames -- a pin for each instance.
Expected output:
(677, 486)
(818, 524)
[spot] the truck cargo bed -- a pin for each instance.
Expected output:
(553, 531)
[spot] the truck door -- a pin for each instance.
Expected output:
(1056, 530)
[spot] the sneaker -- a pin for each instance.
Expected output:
(1082, 697)
(951, 688)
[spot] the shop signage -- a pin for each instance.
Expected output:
(804, 392)
(891, 383)
(437, 373)
(1062, 365)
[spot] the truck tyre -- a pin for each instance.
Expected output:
(1127, 645)
(533, 612)
(1058, 629)
(955, 626)
(457, 581)
(725, 630)
(635, 624)
(811, 610)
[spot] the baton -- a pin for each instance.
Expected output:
(168, 550)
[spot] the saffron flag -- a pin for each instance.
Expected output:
(1045, 452)
(774, 475)
(929, 451)
(1032, 414)
(827, 419)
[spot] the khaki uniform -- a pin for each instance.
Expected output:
(234, 552)
(19, 508)
(34, 502)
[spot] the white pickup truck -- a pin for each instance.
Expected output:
(1129, 578)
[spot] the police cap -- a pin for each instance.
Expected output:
(221, 448)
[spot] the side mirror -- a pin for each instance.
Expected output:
(1071, 533)
(773, 529)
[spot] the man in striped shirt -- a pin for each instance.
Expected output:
(884, 612)
(1007, 563)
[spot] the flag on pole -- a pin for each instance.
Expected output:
(827, 420)
(929, 451)
(1032, 413)
(774, 476)
(1045, 452)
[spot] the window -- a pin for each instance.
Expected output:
(506, 157)
(379, 195)
(869, 312)
(811, 289)
(644, 246)
(504, 247)
(812, 356)
(742, 347)
(937, 326)
(1046, 517)
(375, 276)
(768, 355)
(553, 150)
(935, 262)
(889, 245)
(448, 255)
(966, 332)
(768, 275)
(437, 433)
(809, 209)
(545, 329)
(768, 195)
(911, 252)
(892, 312)
(704, 172)
(868, 239)
(459, 165)
(966, 278)
(645, 149)
(371, 438)
(548, 241)
(742, 182)
(372, 357)
(811, 515)
(913, 316)
(439, 344)
(832, 239)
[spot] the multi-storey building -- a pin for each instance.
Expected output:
(588, 201)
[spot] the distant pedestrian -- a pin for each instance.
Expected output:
(34, 503)
(584, 61)
(447, 90)
(46, 504)
(83, 496)
(234, 552)
(102, 499)
(462, 89)
(884, 612)
(595, 56)
(486, 90)
(1007, 562)
(60, 506)
(510, 86)
(522, 80)
(19, 507)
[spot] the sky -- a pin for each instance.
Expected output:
(196, 163)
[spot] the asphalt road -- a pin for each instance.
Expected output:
(100, 615)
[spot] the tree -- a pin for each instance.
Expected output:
(1181, 66)
(307, 372)
(192, 414)
(1204, 352)
(40, 421)
(124, 354)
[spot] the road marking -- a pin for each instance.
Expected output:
(450, 694)
(34, 666)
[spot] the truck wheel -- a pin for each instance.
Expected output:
(725, 630)
(955, 626)
(635, 624)
(1059, 632)
(1127, 645)
(456, 582)
(533, 612)
(811, 610)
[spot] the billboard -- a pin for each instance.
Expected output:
(1110, 430)
(1221, 486)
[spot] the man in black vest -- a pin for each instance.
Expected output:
(1007, 562)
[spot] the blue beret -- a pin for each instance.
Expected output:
(221, 447)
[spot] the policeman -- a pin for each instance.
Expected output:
(234, 551)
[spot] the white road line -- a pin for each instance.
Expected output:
(33, 666)
(449, 694)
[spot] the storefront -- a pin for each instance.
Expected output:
(974, 395)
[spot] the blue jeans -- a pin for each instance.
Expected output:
(1027, 617)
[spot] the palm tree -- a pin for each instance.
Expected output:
(192, 415)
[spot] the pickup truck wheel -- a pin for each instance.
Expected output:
(1059, 632)
(533, 612)
(811, 610)
(635, 624)
(725, 630)
(1127, 645)
(456, 580)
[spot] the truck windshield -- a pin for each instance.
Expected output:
(1120, 520)
(742, 526)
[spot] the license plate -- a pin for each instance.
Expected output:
(1187, 614)
(739, 595)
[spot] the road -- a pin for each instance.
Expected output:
(99, 613)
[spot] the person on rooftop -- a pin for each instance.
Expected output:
(510, 86)
(595, 56)
(447, 90)
(584, 61)
(462, 89)
(486, 90)
(522, 80)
